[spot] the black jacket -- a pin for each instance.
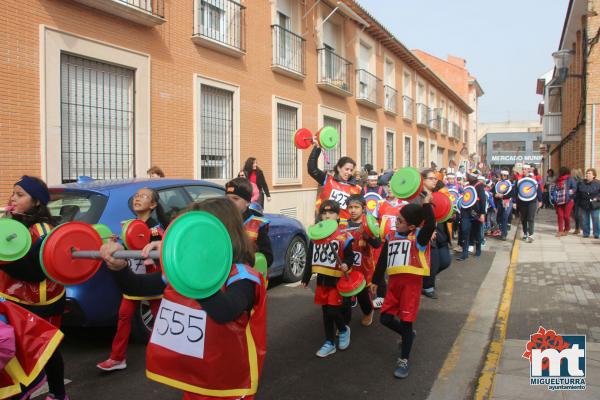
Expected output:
(586, 191)
(261, 182)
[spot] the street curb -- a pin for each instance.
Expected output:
(462, 366)
(485, 384)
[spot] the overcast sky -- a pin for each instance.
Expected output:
(507, 44)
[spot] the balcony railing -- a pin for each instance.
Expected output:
(220, 25)
(433, 119)
(407, 108)
(334, 73)
(422, 112)
(367, 88)
(552, 128)
(444, 126)
(455, 130)
(145, 12)
(390, 99)
(288, 51)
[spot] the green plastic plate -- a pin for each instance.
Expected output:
(328, 137)
(15, 240)
(405, 182)
(322, 229)
(197, 254)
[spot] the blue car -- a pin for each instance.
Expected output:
(96, 302)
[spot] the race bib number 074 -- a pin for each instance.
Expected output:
(180, 329)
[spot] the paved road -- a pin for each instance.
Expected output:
(292, 371)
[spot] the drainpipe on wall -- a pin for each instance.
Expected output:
(593, 164)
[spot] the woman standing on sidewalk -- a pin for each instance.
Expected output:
(588, 201)
(563, 195)
(578, 176)
(256, 176)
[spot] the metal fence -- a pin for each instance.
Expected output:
(222, 21)
(216, 133)
(97, 120)
(390, 102)
(334, 70)
(287, 154)
(422, 112)
(367, 86)
(288, 49)
(154, 7)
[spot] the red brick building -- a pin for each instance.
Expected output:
(107, 88)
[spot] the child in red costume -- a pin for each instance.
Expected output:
(405, 258)
(322, 261)
(221, 349)
(23, 281)
(363, 246)
(145, 201)
(26, 343)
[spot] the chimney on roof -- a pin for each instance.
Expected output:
(459, 62)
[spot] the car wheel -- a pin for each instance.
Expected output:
(143, 321)
(295, 260)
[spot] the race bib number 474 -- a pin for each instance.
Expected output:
(398, 253)
(180, 329)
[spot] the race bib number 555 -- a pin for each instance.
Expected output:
(180, 329)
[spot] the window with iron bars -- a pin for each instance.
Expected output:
(216, 133)
(287, 154)
(333, 154)
(389, 150)
(366, 146)
(407, 152)
(97, 120)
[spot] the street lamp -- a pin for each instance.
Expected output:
(562, 60)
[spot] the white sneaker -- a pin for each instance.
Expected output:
(377, 302)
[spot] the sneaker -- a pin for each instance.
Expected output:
(344, 339)
(112, 365)
(471, 248)
(377, 302)
(530, 239)
(461, 258)
(354, 301)
(525, 238)
(429, 293)
(367, 320)
(326, 350)
(401, 371)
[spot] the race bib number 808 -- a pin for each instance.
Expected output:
(180, 329)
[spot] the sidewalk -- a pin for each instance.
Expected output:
(557, 286)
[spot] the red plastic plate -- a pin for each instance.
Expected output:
(57, 262)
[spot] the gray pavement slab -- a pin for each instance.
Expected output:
(559, 291)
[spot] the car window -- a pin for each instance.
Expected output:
(199, 193)
(172, 201)
(77, 206)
